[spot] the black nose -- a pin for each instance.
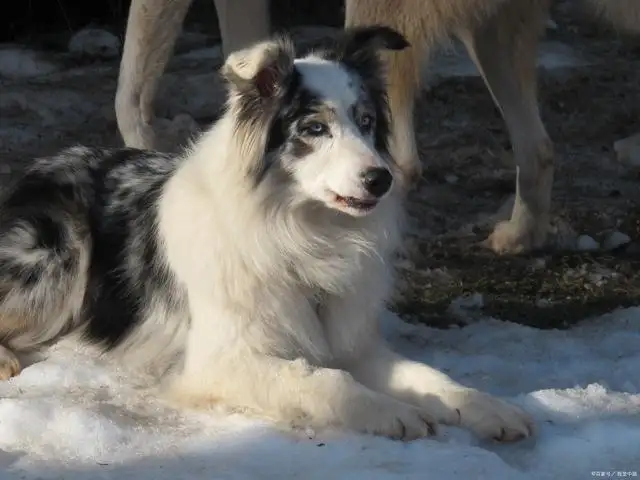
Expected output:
(377, 181)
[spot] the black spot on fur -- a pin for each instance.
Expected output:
(115, 293)
(299, 148)
(357, 49)
(297, 104)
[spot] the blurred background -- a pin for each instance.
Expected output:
(46, 21)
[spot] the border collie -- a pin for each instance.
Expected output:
(260, 257)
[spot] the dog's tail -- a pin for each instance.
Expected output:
(624, 15)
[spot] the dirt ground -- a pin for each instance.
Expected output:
(468, 177)
(462, 134)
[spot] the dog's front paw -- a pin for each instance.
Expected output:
(489, 417)
(391, 418)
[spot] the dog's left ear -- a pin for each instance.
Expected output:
(262, 69)
(371, 38)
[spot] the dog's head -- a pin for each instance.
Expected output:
(323, 118)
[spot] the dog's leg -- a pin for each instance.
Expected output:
(242, 22)
(444, 399)
(152, 29)
(43, 276)
(9, 364)
(504, 50)
(238, 363)
(352, 332)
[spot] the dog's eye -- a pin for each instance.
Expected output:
(366, 122)
(315, 129)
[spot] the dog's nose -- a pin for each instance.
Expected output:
(377, 181)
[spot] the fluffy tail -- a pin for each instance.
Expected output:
(624, 15)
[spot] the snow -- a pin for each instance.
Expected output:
(73, 416)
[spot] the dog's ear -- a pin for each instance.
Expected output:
(358, 49)
(371, 38)
(262, 69)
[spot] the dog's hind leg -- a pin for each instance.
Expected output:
(504, 49)
(43, 271)
(152, 29)
(9, 364)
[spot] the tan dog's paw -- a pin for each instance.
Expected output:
(510, 238)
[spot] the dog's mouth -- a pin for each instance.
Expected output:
(353, 203)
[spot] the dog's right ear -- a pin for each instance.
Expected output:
(374, 37)
(262, 70)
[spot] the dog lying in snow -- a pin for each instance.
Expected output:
(259, 257)
(501, 37)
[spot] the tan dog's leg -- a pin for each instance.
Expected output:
(152, 29)
(403, 75)
(242, 22)
(624, 16)
(504, 49)
(424, 24)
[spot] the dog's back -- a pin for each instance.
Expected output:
(74, 245)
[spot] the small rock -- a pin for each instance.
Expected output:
(551, 25)
(405, 264)
(95, 42)
(452, 179)
(469, 302)
(543, 303)
(538, 264)
(562, 235)
(628, 150)
(585, 243)
(467, 308)
(615, 239)
(173, 134)
(22, 63)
